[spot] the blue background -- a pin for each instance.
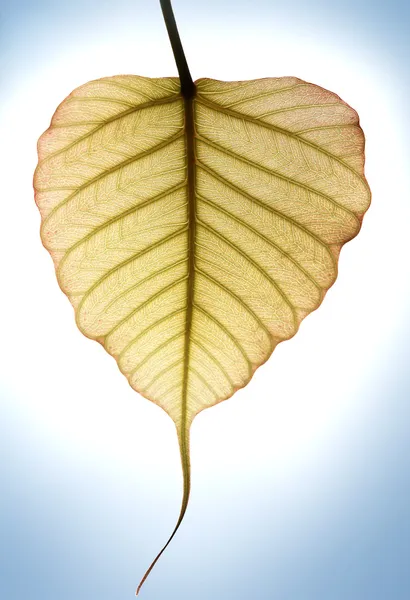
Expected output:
(90, 472)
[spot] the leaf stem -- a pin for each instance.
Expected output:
(188, 91)
(187, 85)
(183, 439)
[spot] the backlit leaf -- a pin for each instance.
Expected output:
(194, 235)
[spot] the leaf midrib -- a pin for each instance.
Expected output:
(191, 168)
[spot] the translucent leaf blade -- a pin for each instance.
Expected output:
(192, 236)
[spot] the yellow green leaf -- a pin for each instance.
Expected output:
(192, 235)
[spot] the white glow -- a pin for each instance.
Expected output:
(70, 389)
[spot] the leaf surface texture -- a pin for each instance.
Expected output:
(278, 189)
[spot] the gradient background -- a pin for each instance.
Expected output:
(301, 482)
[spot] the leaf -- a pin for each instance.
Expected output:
(192, 235)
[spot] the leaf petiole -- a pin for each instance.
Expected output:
(188, 89)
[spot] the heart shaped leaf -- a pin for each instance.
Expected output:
(192, 235)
